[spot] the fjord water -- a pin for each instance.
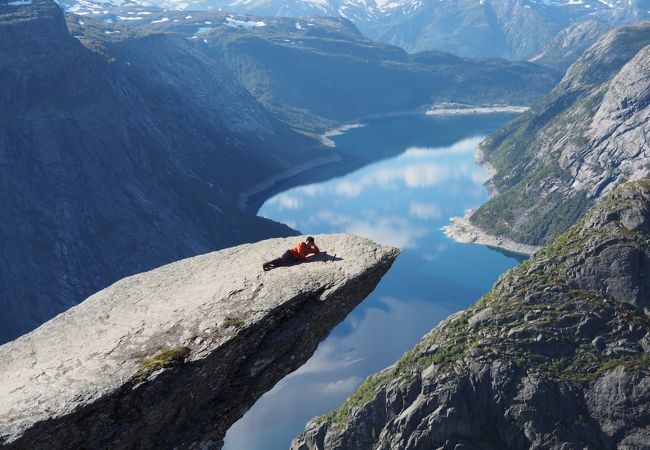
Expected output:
(420, 172)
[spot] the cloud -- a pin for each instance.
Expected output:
(417, 167)
(388, 230)
(391, 231)
(286, 201)
(468, 145)
(331, 218)
(309, 190)
(433, 256)
(341, 387)
(425, 175)
(331, 356)
(349, 188)
(425, 211)
(418, 174)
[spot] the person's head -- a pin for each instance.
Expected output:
(309, 240)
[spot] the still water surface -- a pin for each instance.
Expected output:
(420, 172)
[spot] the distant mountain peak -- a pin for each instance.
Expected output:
(515, 29)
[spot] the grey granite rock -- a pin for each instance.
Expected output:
(172, 357)
(552, 358)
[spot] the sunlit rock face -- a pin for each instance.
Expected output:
(588, 136)
(555, 356)
(172, 357)
(569, 44)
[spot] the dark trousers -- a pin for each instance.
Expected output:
(286, 259)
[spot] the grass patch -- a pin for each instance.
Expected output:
(166, 358)
(233, 322)
(360, 397)
(585, 368)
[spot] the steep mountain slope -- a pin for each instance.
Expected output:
(556, 356)
(319, 72)
(587, 137)
(569, 44)
(475, 28)
(116, 162)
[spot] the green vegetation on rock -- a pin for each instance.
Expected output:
(164, 359)
(233, 322)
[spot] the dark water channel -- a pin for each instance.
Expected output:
(420, 172)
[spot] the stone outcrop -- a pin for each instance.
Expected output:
(461, 229)
(590, 135)
(556, 356)
(172, 357)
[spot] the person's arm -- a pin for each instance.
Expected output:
(314, 249)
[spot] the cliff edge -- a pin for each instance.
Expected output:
(172, 357)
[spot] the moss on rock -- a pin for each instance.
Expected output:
(164, 359)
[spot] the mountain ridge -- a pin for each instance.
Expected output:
(318, 73)
(514, 29)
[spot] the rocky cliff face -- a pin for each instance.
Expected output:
(587, 137)
(556, 356)
(172, 357)
(569, 44)
(119, 155)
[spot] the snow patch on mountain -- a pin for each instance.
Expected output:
(235, 23)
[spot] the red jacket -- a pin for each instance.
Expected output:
(301, 250)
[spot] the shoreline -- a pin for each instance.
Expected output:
(267, 185)
(460, 229)
(326, 137)
(458, 109)
(437, 109)
(479, 157)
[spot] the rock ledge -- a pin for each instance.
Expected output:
(174, 356)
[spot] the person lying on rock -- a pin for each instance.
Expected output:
(297, 254)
